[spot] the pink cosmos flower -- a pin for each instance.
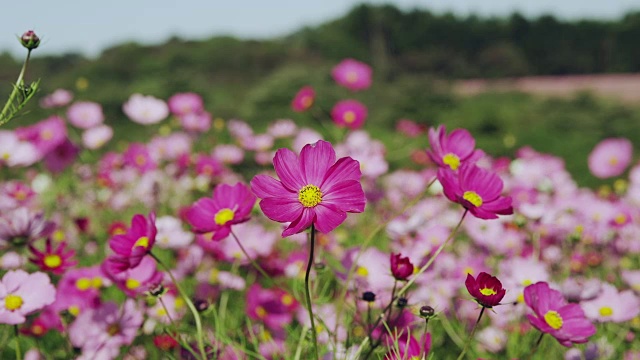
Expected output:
(274, 307)
(139, 157)
(145, 110)
(553, 315)
(186, 103)
(486, 289)
(15, 194)
(131, 247)
(453, 150)
(230, 205)
(314, 188)
(55, 260)
(61, 157)
(304, 99)
(21, 226)
(97, 136)
(16, 152)
(58, 98)
(477, 190)
(46, 135)
(408, 347)
(349, 113)
(228, 153)
(22, 294)
(196, 122)
(102, 332)
(208, 166)
(610, 157)
(282, 128)
(85, 114)
(138, 280)
(409, 128)
(612, 306)
(352, 74)
(401, 267)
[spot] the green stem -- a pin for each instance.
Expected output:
(307, 291)
(16, 89)
(536, 346)
(178, 339)
(473, 332)
(17, 332)
(189, 303)
(252, 261)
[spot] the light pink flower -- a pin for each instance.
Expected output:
(196, 122)
(612, 306)
(46, 135)
(610, 157)
(349, 113)
(96, 137)
(145, 110)
(16, 152)
(85, 114)
(228, 154)
(101, 332)
(22, 294)
(186, 103)
(314, 188)
(352, 74)
(58, 98)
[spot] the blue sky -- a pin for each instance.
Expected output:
(90, 26)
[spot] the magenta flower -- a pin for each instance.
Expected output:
(477, 190)
(610, 157)
(61, 157)
(230, 205)
(274, 307)
(85, 114)
(314, 188)
(352, 74)
(22, 294)
(486, 289)
(138, 280)
(55, 260)
(453, 150)
(186, 103)
(131, 247)
(304, 99)
(45, 135)
(401, 267)
(408, 347)
(553, 315)
(349, 113)
(139, 157)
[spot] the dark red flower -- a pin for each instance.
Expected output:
(486, 289)
(401, 267)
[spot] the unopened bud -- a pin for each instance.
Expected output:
(30, 40)
(402, 302)
(369, 296)
(427, 312)
(201, 305)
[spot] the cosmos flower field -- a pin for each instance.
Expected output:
(221, 239)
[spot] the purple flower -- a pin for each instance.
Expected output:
(314, 188)
(553, 315)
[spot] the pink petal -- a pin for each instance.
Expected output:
(315, 161)
(201, 215)
(328, 217)
(281, 209)
(344, 169)
(303, 222)
(265, 186)
(288, 169)
(346, 196)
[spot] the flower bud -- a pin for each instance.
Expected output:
(427, 312)
(368, 296)
(30, 40)
(402, 302)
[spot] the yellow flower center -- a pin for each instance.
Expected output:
(46, 134)
(613, 161)
(223, 216)
(74, 310)
(362, 271)
(606, 311)
(52, 261)
(487, 292)
(310, 196)
(13, 302)
(96, 282)
(349, 117)
(141, 160)
(132, 284)
(261, 312)
(352, 76)
(37, 329)
(20, 195)
(621, 219)
(6, 156)
(113, 329)
(473, 198)
(143, 241)
(452, 160)
(553, 319)
(83, 284)
(213, 276)
(306, 101)
(287, 299)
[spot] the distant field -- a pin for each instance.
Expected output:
(625, 87)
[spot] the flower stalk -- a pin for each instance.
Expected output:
(307, 292)
(473, 332)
